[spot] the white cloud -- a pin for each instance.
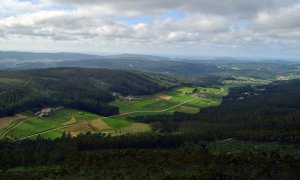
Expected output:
(121, 24)
(11, 7)
(283, 18)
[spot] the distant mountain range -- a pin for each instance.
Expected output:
(14, 56)
(27, 60)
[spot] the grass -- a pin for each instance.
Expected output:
(93, 126)
(167, 99)
(235, 68)
(32, 126)
(186, 89)
(71, 121)
(83, 116)
(133, 128)
(11, 81)
(52, 135)
(8, 122)
(117, 123)
(60, 118)
(243, 81)
(151, 103)
(99, 125)
(81, 122)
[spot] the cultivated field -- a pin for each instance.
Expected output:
(75, 122)
(164, 100)
(66, 120)
(243, 81)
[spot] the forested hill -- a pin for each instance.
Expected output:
(269, 107)
(86, 89)
(270, 112)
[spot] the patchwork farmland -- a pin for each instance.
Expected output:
(75, 122)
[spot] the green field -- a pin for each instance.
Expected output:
(34, 125)
(67, 120)
(117, 123)
(11, 81)
(243, 81)
(76, 122)
(164, 100)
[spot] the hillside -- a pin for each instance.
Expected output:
(270, 107)
(86, 89)
(262, 113)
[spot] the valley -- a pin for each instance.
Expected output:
(57, 120)
(149, 90)
(75, 122)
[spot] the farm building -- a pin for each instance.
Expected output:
(130, 98)
(44, 112)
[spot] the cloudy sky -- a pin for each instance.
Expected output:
(246, 28)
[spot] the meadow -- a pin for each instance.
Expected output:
(244, 81)
(67, 121)
(194, 98)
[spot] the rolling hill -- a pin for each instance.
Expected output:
(174, 66)
(86, 89)
(15, 56)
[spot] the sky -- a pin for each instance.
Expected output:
(231, 28)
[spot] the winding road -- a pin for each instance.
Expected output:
(118, 115)
(10, 129)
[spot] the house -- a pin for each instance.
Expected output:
(130, 98)
(44, 112)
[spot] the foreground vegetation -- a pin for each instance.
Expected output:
(139, 156)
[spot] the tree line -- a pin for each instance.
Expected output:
(137, 156)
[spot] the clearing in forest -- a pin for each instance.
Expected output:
(165, 97)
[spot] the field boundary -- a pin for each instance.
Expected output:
(11, 128)
(118, 115)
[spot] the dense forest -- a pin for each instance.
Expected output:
(86, 89)
(137, 157)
